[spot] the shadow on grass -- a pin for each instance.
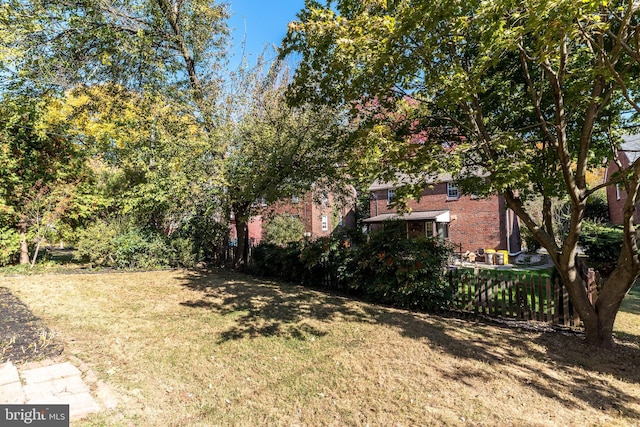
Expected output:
(263, 308)
(552, 364)
(631, 303)
(570, 362)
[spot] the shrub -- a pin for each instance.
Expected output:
(283, 229)
(282, 262)
(9, 246)
(597, 208)
(530, 242)
(96, 244)
(206, 234)
(331, 261)
(183, 252)
(118, 245)
(389, 268)
(137, 249)
(601, 244)
(404, 272)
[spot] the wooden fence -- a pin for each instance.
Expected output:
(509, 295)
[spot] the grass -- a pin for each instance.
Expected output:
(183, 348)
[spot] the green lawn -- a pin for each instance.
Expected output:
(184, 348)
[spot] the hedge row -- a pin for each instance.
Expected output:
(388, 268)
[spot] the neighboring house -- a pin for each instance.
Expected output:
(254, 227)
(616, 196)
(321, 215)
(469, 222)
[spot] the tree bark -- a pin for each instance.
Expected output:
(24, 247)
(242, 232)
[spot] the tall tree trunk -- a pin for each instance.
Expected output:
(24, 249)
(24, 245)
(35, 253)
(242, 231)
(240, 213)
(599, 326)
(599, 318)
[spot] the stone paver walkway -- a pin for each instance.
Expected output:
(49, 383)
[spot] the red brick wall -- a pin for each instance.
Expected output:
(615, 198)
(475, 222)
(310, 212)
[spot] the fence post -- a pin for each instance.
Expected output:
(510, 286)
(532, 297)
(549, 301)
(520, 302)
(541, 289)
(503, 305)
(454, 288)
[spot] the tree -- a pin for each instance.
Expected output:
(521, 98)
(38, 165)
(276, 151)
(138, 44)
(282, 229)
(137, 85)
(151, 152)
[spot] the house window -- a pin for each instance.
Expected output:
(325, 198)
(452, 191)
(391, 194)
(340, 221)
(325, 223)
(442, 228)
(617, 191)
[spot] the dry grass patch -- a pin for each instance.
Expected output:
(185, 348)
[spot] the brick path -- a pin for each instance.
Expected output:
(52, 383)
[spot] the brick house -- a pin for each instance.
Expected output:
(628, 153)
(469, 222)
(320, 214)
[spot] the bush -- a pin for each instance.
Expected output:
(113, 244)
(281, 262)
(530, 242)
(9, 246)
(597, 208)
(207, 237)
(389, 268)
(331, 261)
(96, 244)
(602, 244)
(183, 252)
(283, 229)
(137, 249)
(404, 272)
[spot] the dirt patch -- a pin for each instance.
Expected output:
(23, 336)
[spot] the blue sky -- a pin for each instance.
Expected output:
(263, 22)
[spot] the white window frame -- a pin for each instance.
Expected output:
(453, 192)
(325, 222)
(617, 191)
(391, 194)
